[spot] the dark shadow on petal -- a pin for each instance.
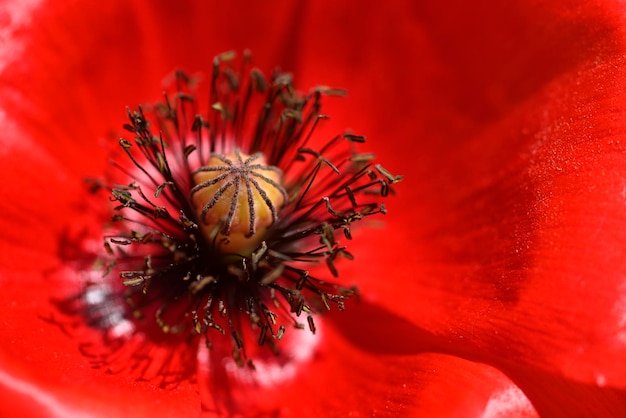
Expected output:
(557, 396)
(95, 316)
(374, 329)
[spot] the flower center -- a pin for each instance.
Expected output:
(236, 198)
(208, 236)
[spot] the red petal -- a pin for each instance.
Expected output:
(506, 237)
(344, 380)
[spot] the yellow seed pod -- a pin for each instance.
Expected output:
(236, 198)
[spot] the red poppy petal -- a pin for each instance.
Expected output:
(383, 333)
(425, 384)
(505, 236)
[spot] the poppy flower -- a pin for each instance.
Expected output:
(496, 281)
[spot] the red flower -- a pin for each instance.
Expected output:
(501, 261)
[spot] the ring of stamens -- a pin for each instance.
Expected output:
(235, 242)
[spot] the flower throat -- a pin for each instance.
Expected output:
(224, 211)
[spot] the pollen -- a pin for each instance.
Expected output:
(237, 197)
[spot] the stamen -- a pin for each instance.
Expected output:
(246, 199)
